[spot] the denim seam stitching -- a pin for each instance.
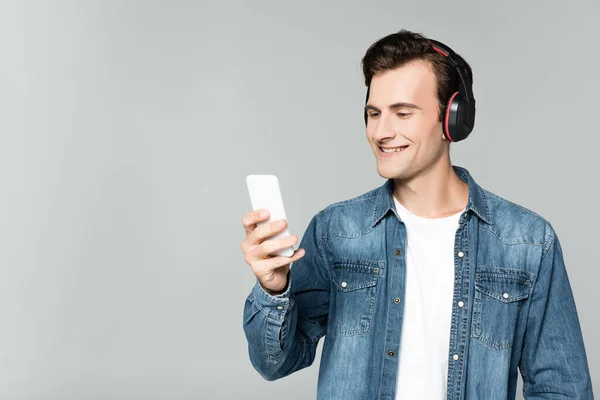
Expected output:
(504, 240)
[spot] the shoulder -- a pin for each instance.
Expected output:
(348, 218)
(513, 221)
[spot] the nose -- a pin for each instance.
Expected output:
(382, 127)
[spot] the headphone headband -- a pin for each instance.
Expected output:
(459, 63)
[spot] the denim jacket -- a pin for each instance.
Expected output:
(517, 308)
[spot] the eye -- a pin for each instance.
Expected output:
(404, 115)
(372, 115)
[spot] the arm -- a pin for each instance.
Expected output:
(553, 361)
(283, 330)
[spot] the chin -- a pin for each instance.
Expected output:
(399, 168)
(392, 173)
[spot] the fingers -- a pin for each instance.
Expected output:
(256, 234)
(250, 219)
(262, 232)
(262, 267)
(255, 247)
(250, 222)
(268, 247)
(270, 269)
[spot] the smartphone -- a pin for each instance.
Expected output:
(265, 192)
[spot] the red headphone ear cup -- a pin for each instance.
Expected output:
(444, 123)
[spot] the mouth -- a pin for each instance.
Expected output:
(390, 151)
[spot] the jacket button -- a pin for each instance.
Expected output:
(396, 300)
(391, 353)
(505, 295)
(344, 284)
(455, 357)
(461, 303)
(460, 254)
(398, 252)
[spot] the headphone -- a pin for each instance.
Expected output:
(459, 111)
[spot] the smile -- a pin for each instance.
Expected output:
(391, 151)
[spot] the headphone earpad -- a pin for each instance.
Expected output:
(457, 126)
(448, 125)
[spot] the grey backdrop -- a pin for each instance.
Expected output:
(128, 128)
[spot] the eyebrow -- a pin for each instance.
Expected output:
(394, 106)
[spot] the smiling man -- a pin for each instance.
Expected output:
(429, 286)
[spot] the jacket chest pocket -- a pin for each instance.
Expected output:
(499, 296)
(356, 284)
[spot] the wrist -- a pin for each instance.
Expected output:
(283, 290)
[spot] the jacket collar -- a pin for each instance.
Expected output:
(477, 202)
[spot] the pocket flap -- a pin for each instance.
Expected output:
(506, 285)
(353, 275)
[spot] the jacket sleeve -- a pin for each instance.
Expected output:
(553, 361)
(283, 330)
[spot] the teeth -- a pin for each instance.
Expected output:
(393, 150)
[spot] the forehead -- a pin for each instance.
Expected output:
(414, 82)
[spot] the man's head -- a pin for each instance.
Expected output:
(410, 85)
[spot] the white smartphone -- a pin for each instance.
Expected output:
(265, 192)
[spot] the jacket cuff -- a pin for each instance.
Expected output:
(275, 306)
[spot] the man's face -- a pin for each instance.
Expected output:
(412, 121)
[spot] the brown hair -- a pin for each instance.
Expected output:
(400, 48)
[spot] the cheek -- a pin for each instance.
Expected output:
(428, 129)
(411, 129)
(423, 134)
(369, 133)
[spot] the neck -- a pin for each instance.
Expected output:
(437, 192)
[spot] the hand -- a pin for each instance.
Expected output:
(270, 270)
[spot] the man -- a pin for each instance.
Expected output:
(428, 287)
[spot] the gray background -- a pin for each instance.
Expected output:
(128, 128)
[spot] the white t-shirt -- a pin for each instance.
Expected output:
(425, 339)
